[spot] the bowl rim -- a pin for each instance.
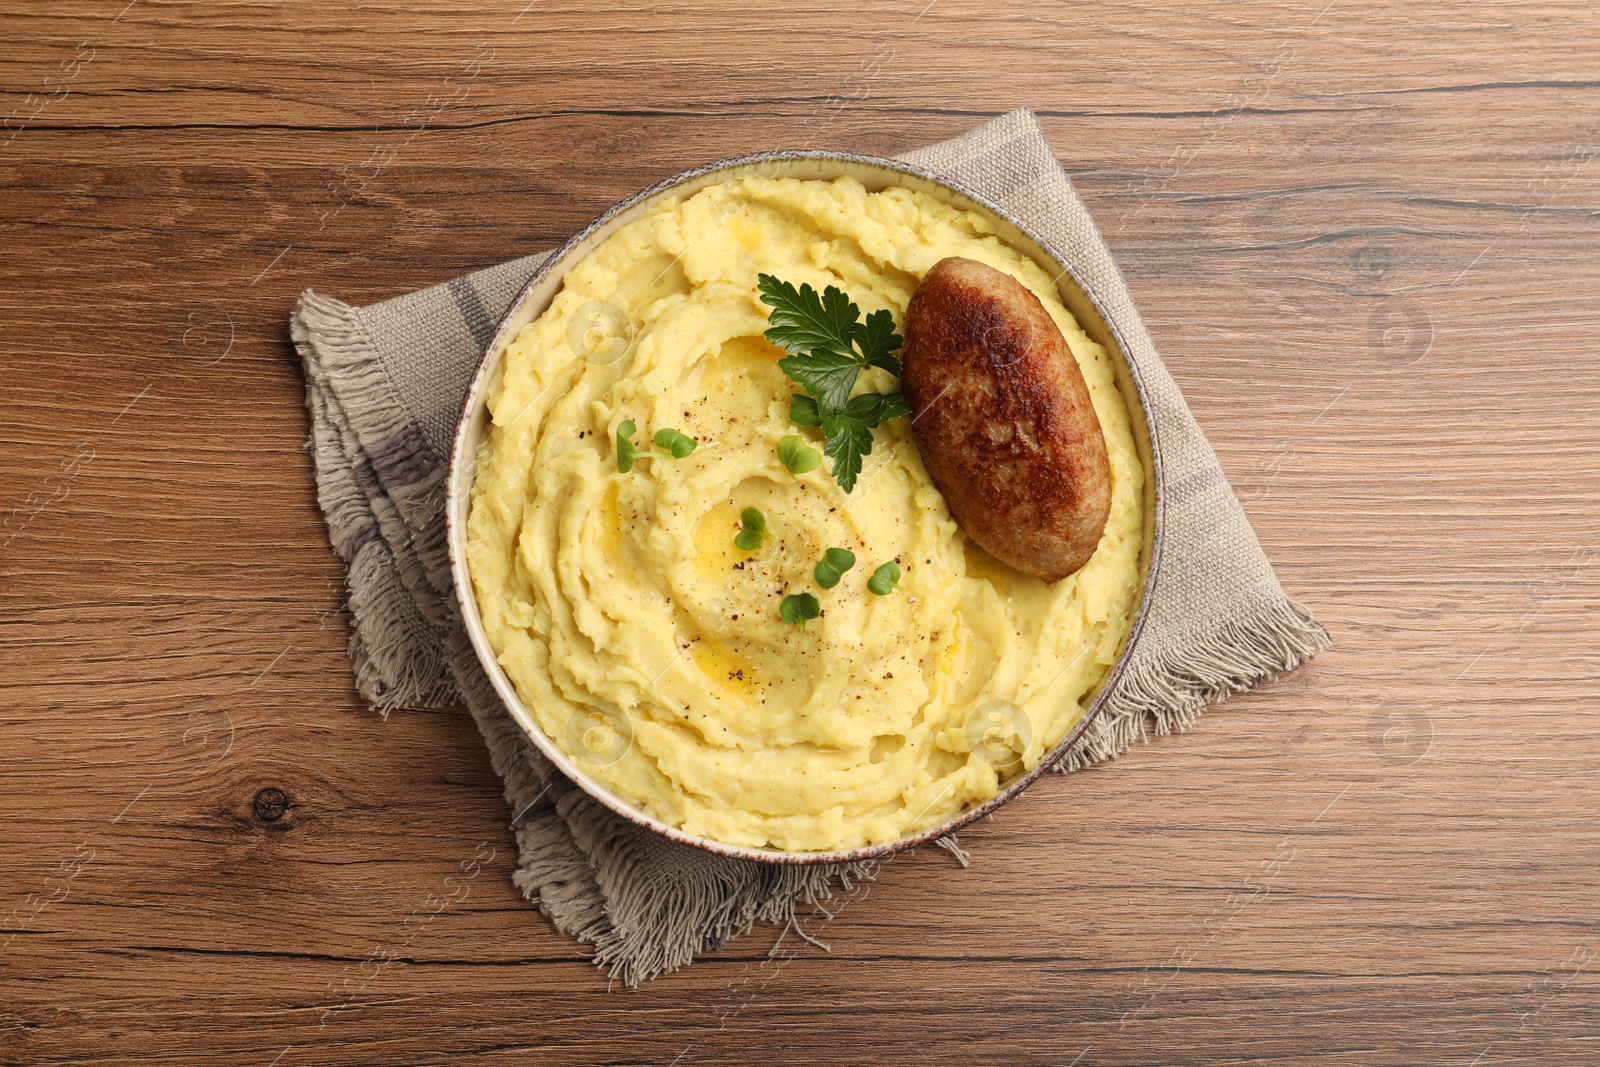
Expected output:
(462, 469)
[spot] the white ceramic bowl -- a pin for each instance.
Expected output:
(875, 174)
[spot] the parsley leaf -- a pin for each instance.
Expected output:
(850, 432)
(803, 410)
(798, 607)
(876, 339)
(804, 323)
(752, 530)
(848, 441)
(828, 376)
(893, 405)
(873, 408)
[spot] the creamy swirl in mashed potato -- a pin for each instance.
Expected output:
(650, 648)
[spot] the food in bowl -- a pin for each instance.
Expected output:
(1004, 421)
(710, 624)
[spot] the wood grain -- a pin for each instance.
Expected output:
(1363, 236)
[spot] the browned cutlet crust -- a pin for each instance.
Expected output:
(1003, 419)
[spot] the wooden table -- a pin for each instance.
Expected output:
(1363, 234)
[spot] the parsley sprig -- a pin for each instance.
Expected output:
(829, 346)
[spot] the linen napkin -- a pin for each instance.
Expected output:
(385, 384)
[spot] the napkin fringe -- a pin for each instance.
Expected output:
(554, 874)
(657, 925)
(398, 663)
(1165, 697)
(418, 679)
(949, 843)
(552, 870)
(422, 556)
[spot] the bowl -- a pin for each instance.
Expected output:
(874, 173)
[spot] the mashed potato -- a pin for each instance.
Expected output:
(650, 648)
